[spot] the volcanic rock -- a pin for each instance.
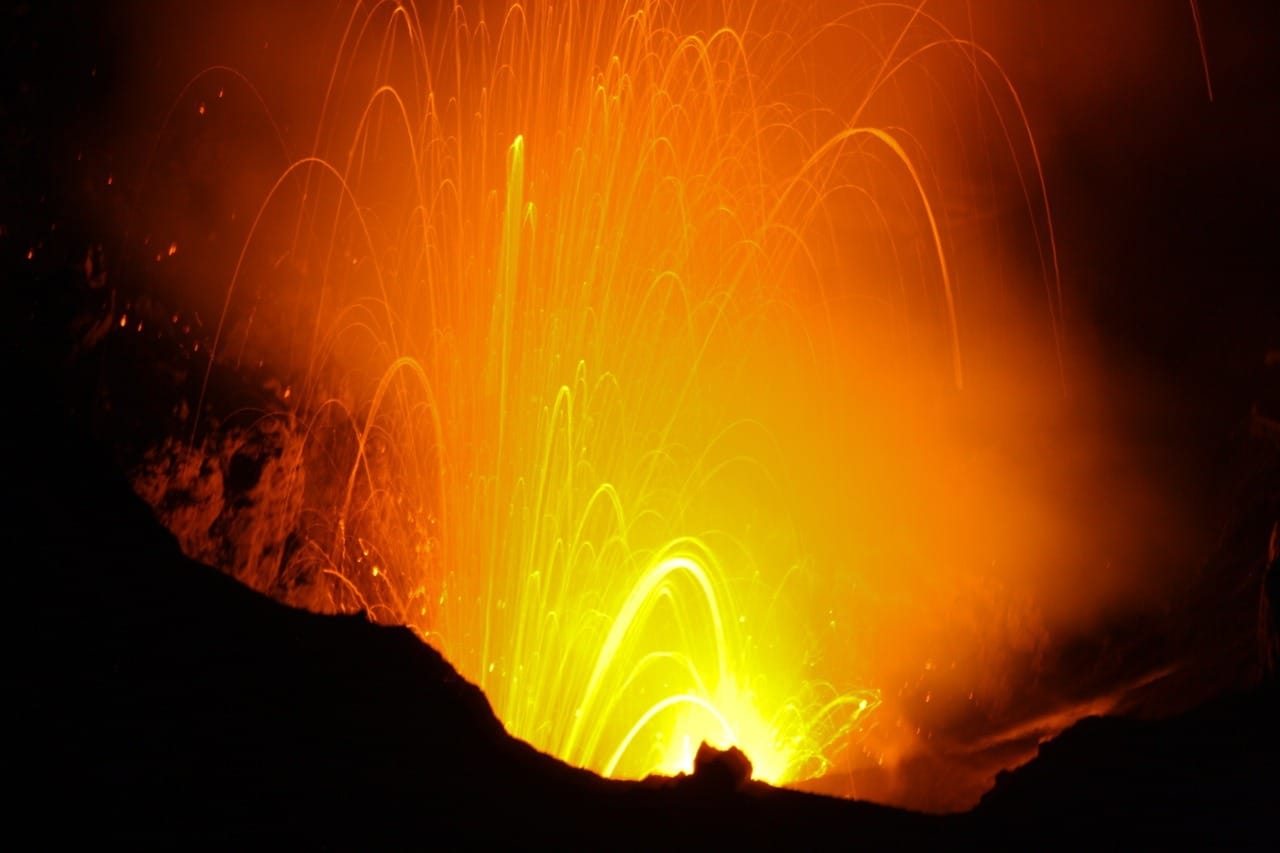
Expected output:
(721, 769)
(158, 702)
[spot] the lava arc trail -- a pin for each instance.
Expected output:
(622, 351)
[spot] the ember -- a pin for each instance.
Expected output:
(683, 375)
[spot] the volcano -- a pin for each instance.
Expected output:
(671, 426)
(161, 702)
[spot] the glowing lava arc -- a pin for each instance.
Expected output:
(589, 350)
(641, 696)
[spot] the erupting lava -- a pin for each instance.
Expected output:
(619, 350)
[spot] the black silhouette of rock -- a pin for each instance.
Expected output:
(1203, 780)
(721, 769)
(155, 702)
(158, 702)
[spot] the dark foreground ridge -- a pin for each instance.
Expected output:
(161, 703)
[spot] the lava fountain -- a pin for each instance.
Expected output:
(628, 353)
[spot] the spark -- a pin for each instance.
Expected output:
(580, 362)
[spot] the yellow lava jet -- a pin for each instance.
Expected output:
(611, 328)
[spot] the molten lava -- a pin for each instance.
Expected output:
(654, 362)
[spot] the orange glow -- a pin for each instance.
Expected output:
(655, 362)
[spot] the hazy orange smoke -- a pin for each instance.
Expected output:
(679, 372)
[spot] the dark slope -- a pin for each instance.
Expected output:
(158, 702)
(161, 702)
(1207, 779)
